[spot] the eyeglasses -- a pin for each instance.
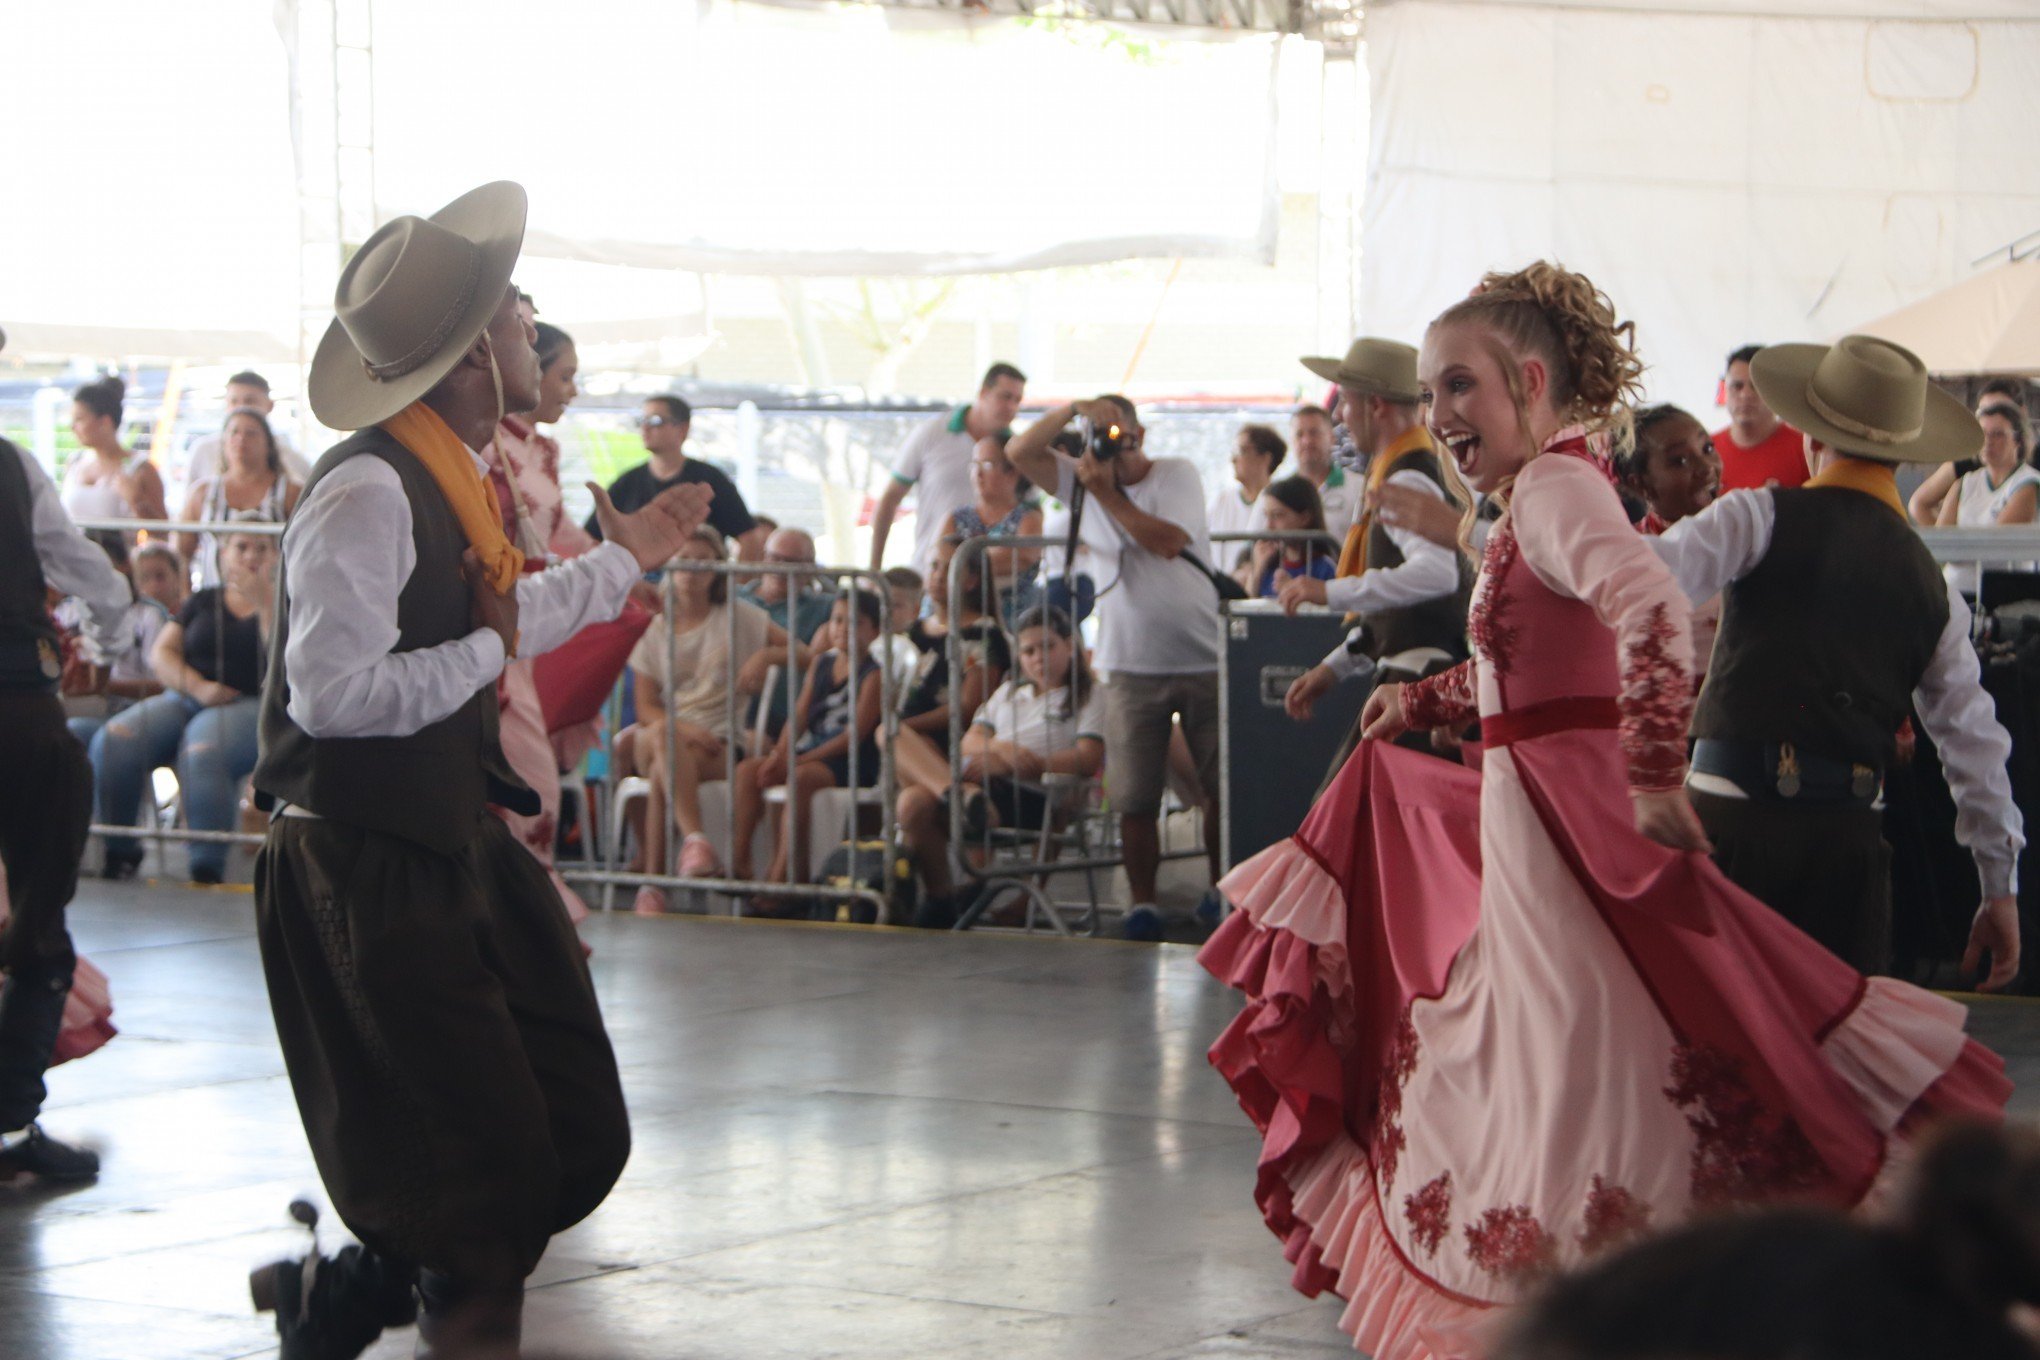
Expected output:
(655, 422)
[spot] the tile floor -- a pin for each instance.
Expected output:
(848, 1143)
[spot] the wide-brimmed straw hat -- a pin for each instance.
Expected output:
(411, 302)
(1867, 397)
(1386, 368)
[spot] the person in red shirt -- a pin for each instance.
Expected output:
(1757, 449)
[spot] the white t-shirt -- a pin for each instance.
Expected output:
(1097, 546)
(936, 463)
(702, 661)
(1019, 713)
(1341, 497)
(1979, 506)
(1230, 513)
(1162, 616)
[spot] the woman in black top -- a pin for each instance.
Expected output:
(210, 660)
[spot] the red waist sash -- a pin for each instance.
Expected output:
(1553, 715)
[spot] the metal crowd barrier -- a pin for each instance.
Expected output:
(156, 833)
(858, 642)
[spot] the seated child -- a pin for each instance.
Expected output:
(1047, 720)
(838, 704)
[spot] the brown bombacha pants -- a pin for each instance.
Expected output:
(1823, 867)
(443, 1040)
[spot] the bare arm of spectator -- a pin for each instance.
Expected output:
(1951, 508)
(651, 699)
(1925, 504)
(751, 543)
(1031, 450)
(882, 517)
(2020, 508)
(1157, 536)
(1010, 563)
(751, 675)
(143, 489)
(291, 492)
(194, 507)
(167, 660)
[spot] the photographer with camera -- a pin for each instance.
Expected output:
(1159, 638)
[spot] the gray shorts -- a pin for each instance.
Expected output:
(1138, 713)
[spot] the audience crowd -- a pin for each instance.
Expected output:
(730, 680)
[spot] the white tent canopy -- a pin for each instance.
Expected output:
(1987, 323)
(1728, 177)
(655, 138)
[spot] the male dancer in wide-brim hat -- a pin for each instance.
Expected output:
(1836, 619)
(437, 1020)
(1407, 594)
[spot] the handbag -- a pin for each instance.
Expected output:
(574, 679)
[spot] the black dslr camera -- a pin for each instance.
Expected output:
(1104, 442)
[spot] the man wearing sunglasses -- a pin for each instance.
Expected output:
(663, 426)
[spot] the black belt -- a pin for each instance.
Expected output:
(1782, 772)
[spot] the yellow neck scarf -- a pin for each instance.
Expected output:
(1353, 554)
(1879, 480)
(432, 442)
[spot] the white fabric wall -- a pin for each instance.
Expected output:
(836, 139)
(1727, 178)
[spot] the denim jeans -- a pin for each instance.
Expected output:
(213, 748)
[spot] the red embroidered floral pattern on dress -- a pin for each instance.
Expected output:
(1656, 704)
(1446, 699)
(1613, 1217)
(1488, 622)
(1511, 1244)
(1388, 1134)
(1430, 1213)
(1743, 1151)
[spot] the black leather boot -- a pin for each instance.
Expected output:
(332, 1307)
(463, 1322)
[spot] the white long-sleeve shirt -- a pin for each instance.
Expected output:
(75, 565)
(1427, 571)
(346, 557)
(1726, 541)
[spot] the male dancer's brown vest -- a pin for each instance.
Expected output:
(434, 786)
(1824, 642)
(1437, 622)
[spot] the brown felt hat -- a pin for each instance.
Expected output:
(1867, 397)
(410, 304)
(1386, 368)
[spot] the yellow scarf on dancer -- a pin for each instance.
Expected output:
(1879, 480)
(432, 442)
(1353, 553)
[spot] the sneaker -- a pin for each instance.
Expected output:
(206, 876)
(331, 1307)
(1142, 923)
(120, 865)
(698, 858)
(40, 1155)
(650, 901)
(1211, 907)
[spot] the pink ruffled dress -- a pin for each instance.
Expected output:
(88, 1009)
(524, 469)
(1492, 1030)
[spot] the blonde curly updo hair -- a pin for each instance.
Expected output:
(1559, 316)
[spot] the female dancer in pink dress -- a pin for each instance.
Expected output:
(524, 469)
(1500, 1022)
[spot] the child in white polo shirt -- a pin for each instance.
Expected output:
(1047, 720)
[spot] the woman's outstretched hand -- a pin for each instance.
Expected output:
(1382, 719)
(1667, 817)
